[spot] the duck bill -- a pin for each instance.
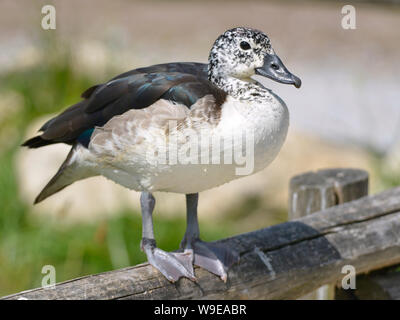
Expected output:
(274, 69)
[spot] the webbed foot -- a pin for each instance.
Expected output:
(173, 265)
(215, 258)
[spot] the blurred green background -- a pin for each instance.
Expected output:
(42, 72)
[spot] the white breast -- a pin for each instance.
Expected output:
(267, 123)
(261, 127)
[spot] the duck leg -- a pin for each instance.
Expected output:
(173, 265)
(215, 258)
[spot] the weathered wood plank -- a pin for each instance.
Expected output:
(284, 261)
(311, 192)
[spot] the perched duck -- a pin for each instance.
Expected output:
(120, 128)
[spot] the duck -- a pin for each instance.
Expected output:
(177, 127)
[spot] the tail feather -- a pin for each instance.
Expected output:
(68, 173)
(36, 142)
(57, 183)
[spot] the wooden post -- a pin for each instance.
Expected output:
(315, 191)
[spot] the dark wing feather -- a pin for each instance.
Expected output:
(88, 92)
(190, 91)
(194, 68)
(183, 83)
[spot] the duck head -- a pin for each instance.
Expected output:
(243, 52)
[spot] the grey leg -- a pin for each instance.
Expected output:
(214, 258)
(172, 265)
(147, 203)
(192, 222)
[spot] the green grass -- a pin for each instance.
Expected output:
(27, 243)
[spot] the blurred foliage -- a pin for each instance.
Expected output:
(47, 86)
(27, 243)
(388, 175)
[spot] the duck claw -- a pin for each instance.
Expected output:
(215, 258)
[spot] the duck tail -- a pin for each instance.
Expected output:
(36, 142)
(68, 173)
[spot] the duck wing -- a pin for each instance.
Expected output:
(183, 83)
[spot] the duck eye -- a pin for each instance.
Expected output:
(245, 45)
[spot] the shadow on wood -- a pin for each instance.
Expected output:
(382, 284)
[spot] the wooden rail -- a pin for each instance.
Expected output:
(285, 261)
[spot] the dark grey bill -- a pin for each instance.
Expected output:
(274, 69)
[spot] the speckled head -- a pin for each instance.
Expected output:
(242, 52)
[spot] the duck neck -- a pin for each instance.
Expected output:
(240, 89)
